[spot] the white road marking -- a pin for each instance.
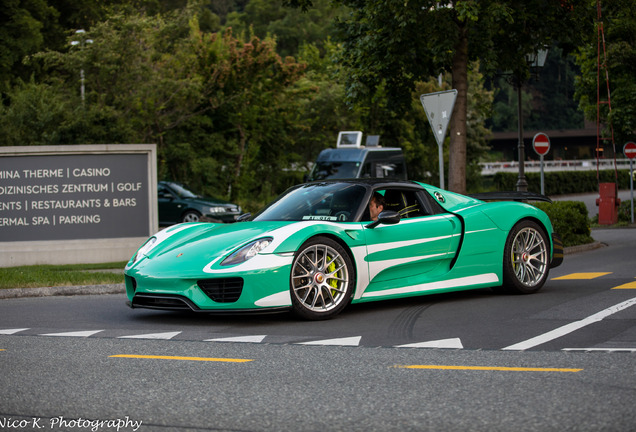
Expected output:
(601, 349)
(246, 339)
(569, 328)
(348, 341)
(85, 333)
(167, 335)
(442, 343)
(12, 331)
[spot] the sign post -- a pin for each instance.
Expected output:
(630, 152)
(541, 145)
(439, 108)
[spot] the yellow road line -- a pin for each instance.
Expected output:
(582, 276)
(210, 359)
(628, 285)
(490, 368)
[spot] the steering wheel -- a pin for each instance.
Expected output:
(343, 216)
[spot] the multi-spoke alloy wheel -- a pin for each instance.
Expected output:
(526, 258)
(191, 216)
(321, 279)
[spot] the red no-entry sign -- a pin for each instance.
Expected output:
(630, 150)
(541, 144)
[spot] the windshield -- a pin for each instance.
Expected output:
(338, 202)
(335, 170)
(181, 191)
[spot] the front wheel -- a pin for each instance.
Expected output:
(322, 279)
(526, 258)
(191, 216)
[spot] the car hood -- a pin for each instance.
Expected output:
(190, 247)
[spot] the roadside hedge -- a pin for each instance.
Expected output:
(562, 182)
(570, 221)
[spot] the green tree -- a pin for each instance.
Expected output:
(23, 31)
(619, 23)
(395, 43)
(290, 27)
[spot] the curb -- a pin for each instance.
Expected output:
(63, 291)
(582, 248)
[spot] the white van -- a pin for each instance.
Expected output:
(350, 159)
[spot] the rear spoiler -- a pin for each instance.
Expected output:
(510, 196)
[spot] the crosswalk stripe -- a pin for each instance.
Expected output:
(167, 335)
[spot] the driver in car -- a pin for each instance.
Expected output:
(376, 205)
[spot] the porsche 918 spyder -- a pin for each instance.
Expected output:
(318, 247)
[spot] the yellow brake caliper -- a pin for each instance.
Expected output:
(330, 268)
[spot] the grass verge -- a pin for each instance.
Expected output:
(61, 275)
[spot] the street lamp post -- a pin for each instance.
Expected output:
(82, 43)
(536, 60)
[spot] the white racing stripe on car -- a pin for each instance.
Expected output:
(381, 247)
(362, 270)
(265, 257)
(164, 234)
(481, 230)
(379, 266)
(282, 298)
(451, 283)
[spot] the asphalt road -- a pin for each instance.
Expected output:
(559, 360)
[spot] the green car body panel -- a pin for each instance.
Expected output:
(458, 247)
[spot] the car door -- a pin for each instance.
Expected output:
(169, 206)
(415, 250)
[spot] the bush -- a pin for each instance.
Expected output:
(562, 182)
(625, 212)
(570, 221)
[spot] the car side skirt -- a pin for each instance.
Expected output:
(467, 282)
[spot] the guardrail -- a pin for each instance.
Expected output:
(490, 168)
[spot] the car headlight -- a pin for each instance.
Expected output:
(145, 248)
(215, 210)
(248, 251)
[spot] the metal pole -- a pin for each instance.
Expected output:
(82, 85)
(631, 184)
(441, 166)
(522, 184)
(542, 183)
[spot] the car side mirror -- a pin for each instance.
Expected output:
(166, 195)
(387, 217)
(244, 217)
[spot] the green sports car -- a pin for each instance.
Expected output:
(319, 246)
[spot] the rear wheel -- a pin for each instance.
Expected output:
(526, 258)
(321, 279)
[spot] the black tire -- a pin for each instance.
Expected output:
(191, 216)
(526, 261)
(322, 279)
